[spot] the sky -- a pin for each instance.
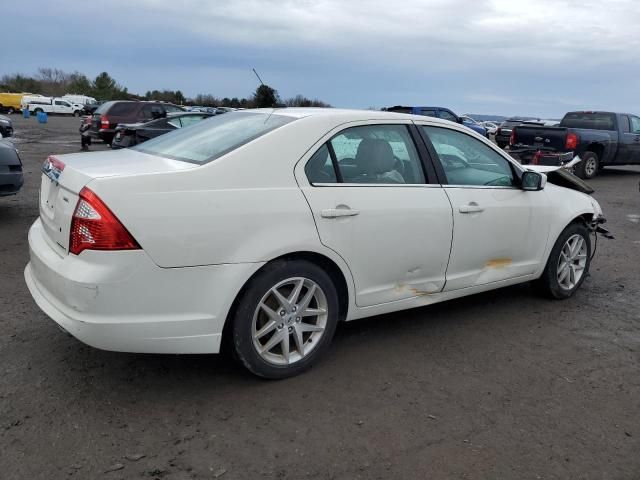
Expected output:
(506, 57)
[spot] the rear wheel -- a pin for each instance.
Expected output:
(589, 166)
(285, 320)
(10, 110)
(568, 263)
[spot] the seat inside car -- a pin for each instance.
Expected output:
(375, 162)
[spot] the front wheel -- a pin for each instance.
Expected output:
(589, 166)
(568, 263)
(76, 113)
(285, 320)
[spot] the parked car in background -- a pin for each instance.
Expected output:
(11, 176)
(80, 99)
(598, 138)
(35, 99)
(10, 102)
(503, 133)
(439, 112)
(248, 226)
(491, 127)
(6, 127)
(55, 106)
(130, 134)
(108, 115)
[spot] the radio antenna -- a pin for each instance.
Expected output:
(259, 79)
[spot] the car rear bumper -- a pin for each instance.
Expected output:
(10, 183)
(122, 301)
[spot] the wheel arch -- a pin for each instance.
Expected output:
(337, 274)
(596, 148)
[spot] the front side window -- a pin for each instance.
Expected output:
(214, 138)
(468, 161)
(377, 154)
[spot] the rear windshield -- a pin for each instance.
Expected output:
(591, 120)
(117, 109)
(210, 139)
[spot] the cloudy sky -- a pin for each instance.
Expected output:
(533, 57)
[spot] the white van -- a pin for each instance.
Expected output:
(80, 99)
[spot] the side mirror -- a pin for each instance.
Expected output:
(533, 181)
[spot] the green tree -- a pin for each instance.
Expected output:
(106, 88)
(79, 84)
(265, 97)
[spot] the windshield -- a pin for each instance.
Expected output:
(212, 138)
(589, 120)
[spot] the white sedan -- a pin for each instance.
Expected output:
(264, 228)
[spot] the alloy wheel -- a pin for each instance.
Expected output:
(590, 167)
(572, 262)
(289, 321)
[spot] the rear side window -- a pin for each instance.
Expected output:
(624, 124)
(635, 124)
(120, 109)
(372, 154)
(319, 168)
(589, 120)
(206, 141)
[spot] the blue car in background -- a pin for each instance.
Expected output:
(443, 113)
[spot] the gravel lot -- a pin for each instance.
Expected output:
(504, 385)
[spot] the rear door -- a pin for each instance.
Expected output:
(500, 230)
(375, 207)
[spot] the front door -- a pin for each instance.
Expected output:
(500, 230)
(372, 205)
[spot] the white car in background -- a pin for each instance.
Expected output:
(267, 227)
(491, 127)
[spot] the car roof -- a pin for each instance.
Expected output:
(343, 114)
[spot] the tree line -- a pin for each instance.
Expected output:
(55, 82)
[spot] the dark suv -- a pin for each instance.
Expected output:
(108, 115)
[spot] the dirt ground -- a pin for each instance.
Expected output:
(503, 385)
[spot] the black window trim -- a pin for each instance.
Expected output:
(431, 179)
(517, 173)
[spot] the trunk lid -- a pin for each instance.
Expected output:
(60, 186)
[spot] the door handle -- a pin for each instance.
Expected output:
(471, 207)
(339, 212)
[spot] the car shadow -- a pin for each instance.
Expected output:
(155, 372)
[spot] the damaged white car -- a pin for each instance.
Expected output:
(265, 228)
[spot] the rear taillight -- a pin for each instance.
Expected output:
(571, 143)
(52, 163)
(513, 138)
(104, 121)
(95, 227)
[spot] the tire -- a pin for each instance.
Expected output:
(10, 111)
(502, 144)
(76, 113)
(554, 282)
(589, 167)
(37, 110)
(265, 327)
